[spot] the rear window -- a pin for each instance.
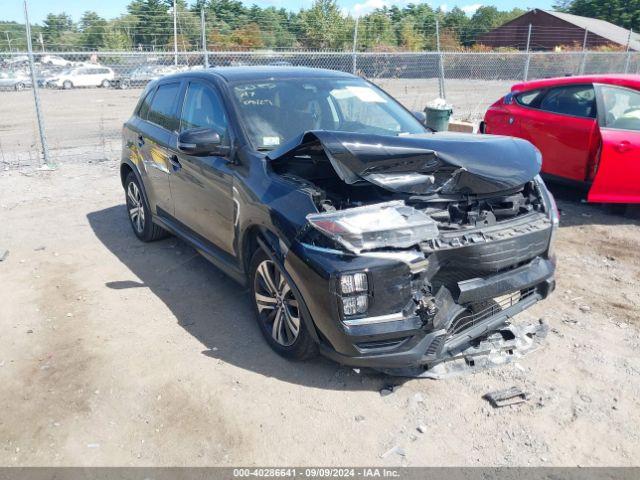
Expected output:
(528, 99)
(143, 111)
(161, 110)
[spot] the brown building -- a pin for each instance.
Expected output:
(550, 30)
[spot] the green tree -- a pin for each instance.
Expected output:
(57, 32)
(324, 27)
(457, 23)
(152, 25)
(376, 31)
(93, 30)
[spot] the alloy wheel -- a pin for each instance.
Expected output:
(277, 306)
(136, 207)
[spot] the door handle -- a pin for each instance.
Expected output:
(175, 163)
(140, 140)
(623, 146)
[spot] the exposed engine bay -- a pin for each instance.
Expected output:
(342, 173)
(468, 215)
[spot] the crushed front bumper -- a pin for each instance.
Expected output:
(493, 349)
(491, 341)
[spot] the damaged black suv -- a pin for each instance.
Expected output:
(361, 234)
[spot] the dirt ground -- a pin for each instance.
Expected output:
(115, 352)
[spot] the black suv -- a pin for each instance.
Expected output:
(361, 234)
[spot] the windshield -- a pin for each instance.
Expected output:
(275, 111)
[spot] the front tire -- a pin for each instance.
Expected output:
(277, 310)
(140, 213)
(19, 86)
(67, 85)
(105, 83)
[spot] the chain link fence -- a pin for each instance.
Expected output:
(86, 97)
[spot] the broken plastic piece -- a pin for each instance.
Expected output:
(391, 224)
(504, 398)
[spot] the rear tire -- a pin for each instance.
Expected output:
(19, 86)
(139, 212)
(277, 310)
(105, 83)
(67, 85)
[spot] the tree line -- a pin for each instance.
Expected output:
(230, 24)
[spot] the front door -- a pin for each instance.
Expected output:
(201, 186)
(617, 177)
(563, 126)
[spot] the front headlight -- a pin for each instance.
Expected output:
(390, 224)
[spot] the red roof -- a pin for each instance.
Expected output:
(632, 81)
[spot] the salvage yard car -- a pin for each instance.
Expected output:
(360, 234)
(587, 128)
(14, 81)
(85, 76)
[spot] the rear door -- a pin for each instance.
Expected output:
(562, 124)
(617, 176)
(201, 186)
(156, 127)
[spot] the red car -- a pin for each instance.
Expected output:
(587, 129)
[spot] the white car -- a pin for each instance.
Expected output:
(55, 60)
(14, 80)
(88, 76)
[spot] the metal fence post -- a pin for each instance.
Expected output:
(204, 39)
(528, 60)
(175, 34)
(583, 63)
(355, 47)
(628, 59)
(36, 95)
(443, 94)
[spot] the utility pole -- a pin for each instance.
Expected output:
(41, 40)
(204, 39)
(36, 95)
(628, 59)
(355, 45)
(583, 63)
(175, 34)
(528, 60)
(8, 40)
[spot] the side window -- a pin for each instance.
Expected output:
(161, 110)
(203, 108)
(575, 100)
(143, 111)
(621, 107)
(529, 99)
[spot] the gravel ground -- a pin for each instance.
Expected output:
(115, 352)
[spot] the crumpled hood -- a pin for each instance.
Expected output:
(446, 163)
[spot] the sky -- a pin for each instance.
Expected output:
(38, 9)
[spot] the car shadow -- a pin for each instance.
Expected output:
(575, 211)
(215, 309)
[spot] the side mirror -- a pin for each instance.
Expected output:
(421, 116)
(201, 142)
